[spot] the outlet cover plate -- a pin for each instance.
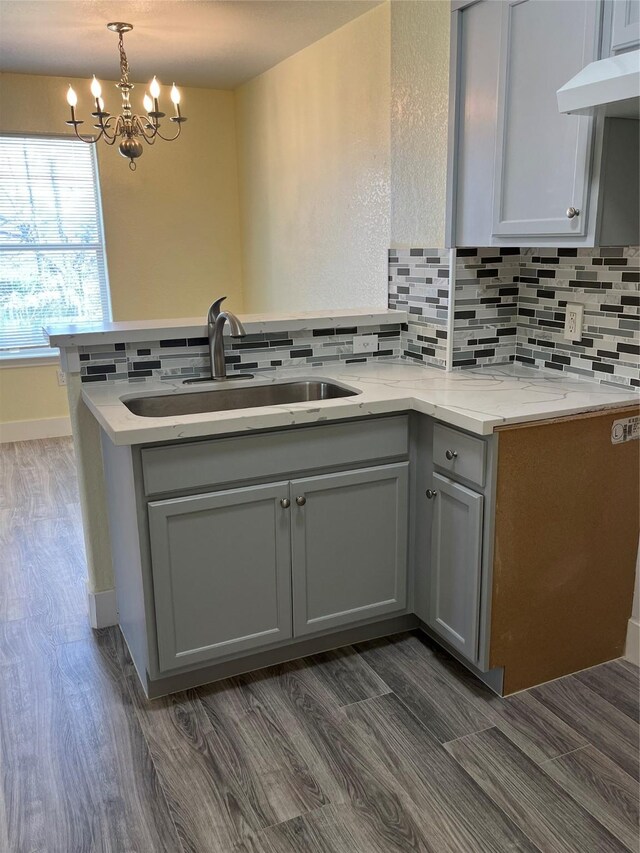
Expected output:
(365, 343)
(573, 318)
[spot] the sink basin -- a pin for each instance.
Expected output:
(224, 399)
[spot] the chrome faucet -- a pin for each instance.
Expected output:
(216, 320)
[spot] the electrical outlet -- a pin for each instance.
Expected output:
(62, 377)
(573, 321)
(365, 343)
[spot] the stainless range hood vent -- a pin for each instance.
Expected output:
(609, 85)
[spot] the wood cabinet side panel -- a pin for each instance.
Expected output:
(566, 537)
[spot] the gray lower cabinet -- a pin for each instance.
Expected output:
(221, 573)
(222, 563)
(349, 546)
(456, 553)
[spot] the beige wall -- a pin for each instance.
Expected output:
(313, 142)
(31, 393)
(172, 229)
(419, 121)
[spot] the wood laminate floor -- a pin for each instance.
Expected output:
(388, 746)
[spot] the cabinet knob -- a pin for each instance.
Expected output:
(431, 493)
(285, 503)
(301, 500)
(451, 454)
(572, 212)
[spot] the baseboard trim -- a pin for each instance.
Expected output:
(30, 430)
(103, 608)
(632, 649)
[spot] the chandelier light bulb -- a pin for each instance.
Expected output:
(96, 88)
(154, 88)
(175, 94)
(101, 104)
(148, 103)
(72, 98)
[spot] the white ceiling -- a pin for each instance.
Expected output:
(212, 43)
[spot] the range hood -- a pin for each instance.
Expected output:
(609, 85)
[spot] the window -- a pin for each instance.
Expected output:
(52, 263)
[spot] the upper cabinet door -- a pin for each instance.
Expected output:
(625, 25)
(542, 157)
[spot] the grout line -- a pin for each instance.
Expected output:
(471, 734)
(388, 692)
(562, 755)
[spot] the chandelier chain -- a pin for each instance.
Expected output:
(124, 62)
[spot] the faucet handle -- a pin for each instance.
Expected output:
(214, 310)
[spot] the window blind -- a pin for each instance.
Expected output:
(52, 263)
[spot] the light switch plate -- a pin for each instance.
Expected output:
(365, 343)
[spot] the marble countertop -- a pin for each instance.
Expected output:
(477, 400)
(193, 327)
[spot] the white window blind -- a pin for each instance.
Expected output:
(52, 264)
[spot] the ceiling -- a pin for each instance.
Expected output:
(211, 43)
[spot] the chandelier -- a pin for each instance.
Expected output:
(128, 127)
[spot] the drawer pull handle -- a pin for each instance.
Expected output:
(431, 493)
(285, 503)
(572, 212)
(451, 454)
(301, 500)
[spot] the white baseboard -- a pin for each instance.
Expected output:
(29, 430)
(632, 651)
(103, 608)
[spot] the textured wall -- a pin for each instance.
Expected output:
(313, 137)
(172, 230)
(419, 121)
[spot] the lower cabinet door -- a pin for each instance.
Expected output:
(456, 560)
(221, 572)
(349, 547)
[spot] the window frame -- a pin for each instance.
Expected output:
(46, 355)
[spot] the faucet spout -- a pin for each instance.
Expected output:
(216, 320)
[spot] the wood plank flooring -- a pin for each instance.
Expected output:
(384, 747)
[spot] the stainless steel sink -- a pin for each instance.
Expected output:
(224, 399)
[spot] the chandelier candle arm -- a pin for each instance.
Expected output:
(130, 128)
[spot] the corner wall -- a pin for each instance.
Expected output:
(419, 121)
(314, 148)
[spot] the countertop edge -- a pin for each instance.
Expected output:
(150, 330)
(255, 420)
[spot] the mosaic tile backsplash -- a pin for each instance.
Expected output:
(185, 358)
(607, 283)
(510, 306)
(486, 306)
(419, 285)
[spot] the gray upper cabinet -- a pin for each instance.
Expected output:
(221, 573)
(455, 571)
(625, 25)
(520, 172)
(542, 157)
(349, 547)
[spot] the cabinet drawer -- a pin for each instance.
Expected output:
(459, 454)
(225, 460)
